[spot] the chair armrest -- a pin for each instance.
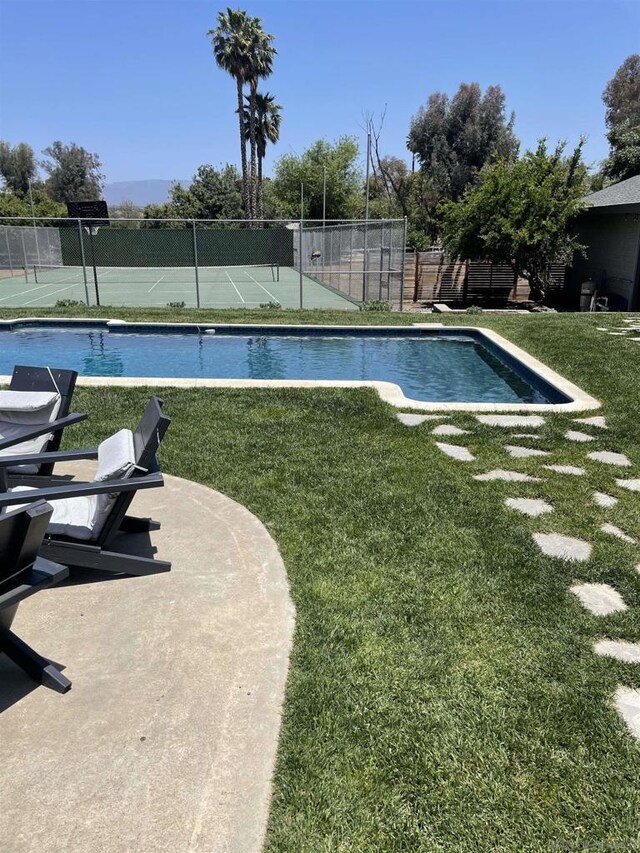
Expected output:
(47, 458)
(78, 490)
(36, 430)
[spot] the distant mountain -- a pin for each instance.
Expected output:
(139, 192)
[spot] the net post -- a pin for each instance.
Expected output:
(84, 265)
(6, 237)
(24, 258)
(195, 261)
(404, 255)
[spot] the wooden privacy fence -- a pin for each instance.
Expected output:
(432, 277)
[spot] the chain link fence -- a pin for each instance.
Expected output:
(201, 263)
(21, 247)
(363, 261)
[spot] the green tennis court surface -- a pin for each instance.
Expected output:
(220, 287)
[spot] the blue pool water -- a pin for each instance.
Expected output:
(440, 367)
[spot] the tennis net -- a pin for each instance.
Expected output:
(54, 273)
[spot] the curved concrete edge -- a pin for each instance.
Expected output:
(168, 739)
(389, 392)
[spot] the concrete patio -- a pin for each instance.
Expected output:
(167, 740)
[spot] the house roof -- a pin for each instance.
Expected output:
(623, 193)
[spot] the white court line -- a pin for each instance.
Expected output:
(52, 293)
(41, 287)
(236, 289)
(157, 282)
(275, 298)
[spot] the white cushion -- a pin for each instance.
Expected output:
(83, 517)
(29, 407)
(74, 517)
(32, 445)
(116, 461)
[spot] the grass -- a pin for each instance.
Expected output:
(443, 694)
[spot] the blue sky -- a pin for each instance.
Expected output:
(135, 81)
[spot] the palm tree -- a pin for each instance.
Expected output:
(261, 66)
(268, 118)
(233, 43)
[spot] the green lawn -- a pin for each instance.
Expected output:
(443, 694)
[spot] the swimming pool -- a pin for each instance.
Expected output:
(426, 365)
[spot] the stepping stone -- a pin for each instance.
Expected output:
(601, 329)
(511, 420)
(456, 452)
(619, 649)
(449, 429)
(566, 469)
(523, 452)
(524, 435)
(631, 485)
(563, 547)
(574, 435)
(633, 339)
(596, 421)
(604, 500)
(619, 534)
(627, 703)
(529, 506)
(617, 334)
(599, 598)
(609, 458)
(415, 420)
(507, 476)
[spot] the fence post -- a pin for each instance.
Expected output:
(300, 258)
(195, 261)
(404, 255)
(84, 266)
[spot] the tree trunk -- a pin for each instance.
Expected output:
(243, 152)
(260, 211)
(253, 86)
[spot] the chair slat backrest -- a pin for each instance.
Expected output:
(26, 378)
(21, 534)
(146, 439)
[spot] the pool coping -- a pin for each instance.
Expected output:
(389, 392)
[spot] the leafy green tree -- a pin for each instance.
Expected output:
(158, 216)
(520, 214)
(453, 139)
(12, 204)
(622, 94)
(268, 118)
(212, 194)
(344, 181)
(74, 173)
(622, 101)
(17, 166)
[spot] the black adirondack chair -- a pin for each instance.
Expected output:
(89, 546)
(49, 431)
(22, 574)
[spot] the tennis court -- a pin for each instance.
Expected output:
(247, 286)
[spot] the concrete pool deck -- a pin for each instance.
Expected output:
(167, 740)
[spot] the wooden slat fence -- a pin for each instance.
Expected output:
(430, 277)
